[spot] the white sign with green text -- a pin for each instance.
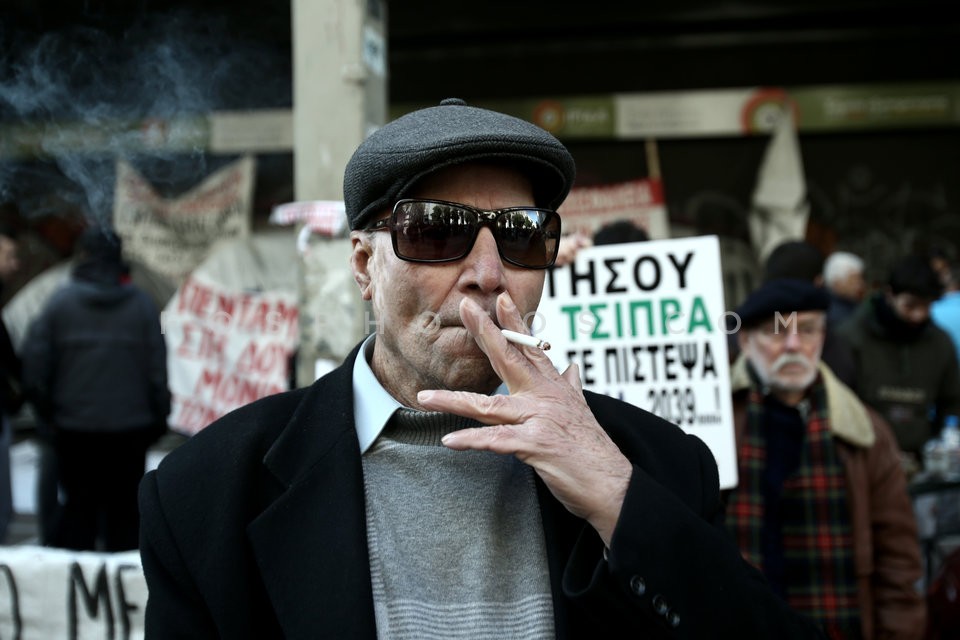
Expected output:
(646, 323)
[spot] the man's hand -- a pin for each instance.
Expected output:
(545, 421)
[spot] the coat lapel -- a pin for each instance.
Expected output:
(311, 543)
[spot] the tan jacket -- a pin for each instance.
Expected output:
(886, 547)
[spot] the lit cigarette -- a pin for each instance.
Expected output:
(525, 340)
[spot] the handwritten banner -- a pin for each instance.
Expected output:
(173, 236)
(54, 593)
(645, 322)
(225, 348)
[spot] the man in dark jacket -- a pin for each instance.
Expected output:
(444, 482)
(10, 386)
(906, 366)
(95, 371)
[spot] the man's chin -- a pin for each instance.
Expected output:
(467, 367)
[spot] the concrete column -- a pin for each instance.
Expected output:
(339, 95)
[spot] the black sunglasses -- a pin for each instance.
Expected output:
(438, 231)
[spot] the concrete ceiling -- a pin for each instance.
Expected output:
(505, 49)
(509, 49)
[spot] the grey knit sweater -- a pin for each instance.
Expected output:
(455, 538)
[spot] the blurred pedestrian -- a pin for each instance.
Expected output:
(95, 371)
(10, 389)
(843, 277)
(620, 231)
(906, 366)
(946, 311)
(794, 259)
(616, 232)
(822, 505)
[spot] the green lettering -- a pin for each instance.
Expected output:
(572, 312)
(634, 306)
(597, 334)
(669, 311)
(698, 316)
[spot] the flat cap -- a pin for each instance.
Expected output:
(783, 295)
(391, 160)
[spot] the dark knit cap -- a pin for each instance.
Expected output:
(391, 160)
(101, 243)
(793, 259)
(784, 295)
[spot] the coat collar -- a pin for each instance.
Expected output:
(849, 419)
(311, 542)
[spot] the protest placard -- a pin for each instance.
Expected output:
(645, 322)
(226, 347)
(641, 201)
(55, 593)
(173, 236)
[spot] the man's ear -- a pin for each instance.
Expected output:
(360, 259)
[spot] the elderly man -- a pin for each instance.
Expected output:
(444, 482)
(843, 277)
(821, 506)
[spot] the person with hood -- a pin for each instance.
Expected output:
(95, 371)
(821, 506)
(906, 366)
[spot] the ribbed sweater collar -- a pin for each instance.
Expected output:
(426, 428)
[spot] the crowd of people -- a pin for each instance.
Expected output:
(445, 482)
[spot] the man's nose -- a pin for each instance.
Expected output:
(483, 269)
(792, 340)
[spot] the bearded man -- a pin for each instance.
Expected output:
(821, 507)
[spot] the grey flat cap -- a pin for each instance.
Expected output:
(389, 162)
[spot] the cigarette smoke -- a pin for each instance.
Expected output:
(167, 65)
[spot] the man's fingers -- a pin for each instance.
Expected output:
(509, 318)
(478, 439)
(572, 375)
(508, 315)
(495, 409)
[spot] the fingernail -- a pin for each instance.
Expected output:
(423, 396)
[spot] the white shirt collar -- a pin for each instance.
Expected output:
(372, 404)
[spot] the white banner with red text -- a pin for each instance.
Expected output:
(641, 201)
(226, 347)
(173, 236)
